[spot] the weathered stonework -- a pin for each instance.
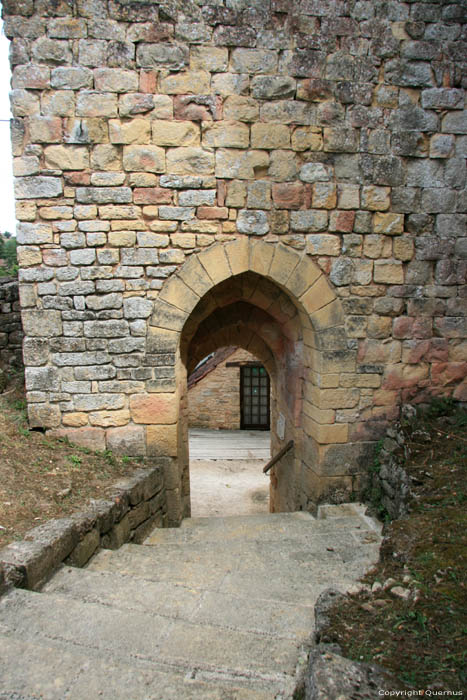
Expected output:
(284, 176)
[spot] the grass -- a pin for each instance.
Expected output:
(43, 478)
(421, 640)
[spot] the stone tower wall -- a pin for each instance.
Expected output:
(147, 135)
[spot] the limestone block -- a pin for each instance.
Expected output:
(234, 163)
(171, 56)
(84, 549)
(326, 434)
(270, 136)
(283, 264)
(375, 198)
(135, 131)
(191, 82)
(31, 234)
(96, 104)
(288, 112)
(115, 80)
(190, 160)
(114, 211)
(340, 140)
(252, 222)
(71, 78)
(236, 194)
(25, 211)
(209, 58)
(33, 77)
(240, 108)
(324, 195)
(92, 53)
(45, 129)
(144, 158)
(283, 166)
(259, 195)
(226, 35)
(175, 133)
(317, 296)
(24, 103)
(273, 87)
(216, 264)
(66, 157)
(315, 172)
(118, 535)
(75, 419)
(322, 244)
(155, 409)
(60, 103)
(225, 134)
(388, 223)
(309, 220)
(254, 61)
(28, 256)
(26, 165)
(388, 272)
(227, 84)
(288, 195)
(103, 195)
(237, 252)
(45, 50)
(137, 307)
(307, 138)
(161, 440)
(403, 248)
(41, 415)
(348, 196)
(127, 440)
(442, 98)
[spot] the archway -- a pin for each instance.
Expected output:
(277, 302)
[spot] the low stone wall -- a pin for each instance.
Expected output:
(134, 507)
(389, 482)
(11, 330)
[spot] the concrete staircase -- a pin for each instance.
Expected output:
(220, 609)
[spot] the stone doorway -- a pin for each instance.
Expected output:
(277, 304)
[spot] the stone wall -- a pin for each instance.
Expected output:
(11, 332)
(214, 400)
(133, 508)
(287, 176)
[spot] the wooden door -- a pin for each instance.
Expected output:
(254, 397)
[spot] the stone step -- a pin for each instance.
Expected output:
(268, 526)
(158, 643)
(77, 673)
(291, 569)
(259, 615)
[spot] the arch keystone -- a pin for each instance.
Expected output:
(283, 264)
(215, 262)
(238, 252)
(261, 255)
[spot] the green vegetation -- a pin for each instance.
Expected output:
(420, 639)
(8, 254)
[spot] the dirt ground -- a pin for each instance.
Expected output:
(228, 487)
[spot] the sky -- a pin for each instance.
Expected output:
(7, 207)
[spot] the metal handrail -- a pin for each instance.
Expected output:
(278, 456)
